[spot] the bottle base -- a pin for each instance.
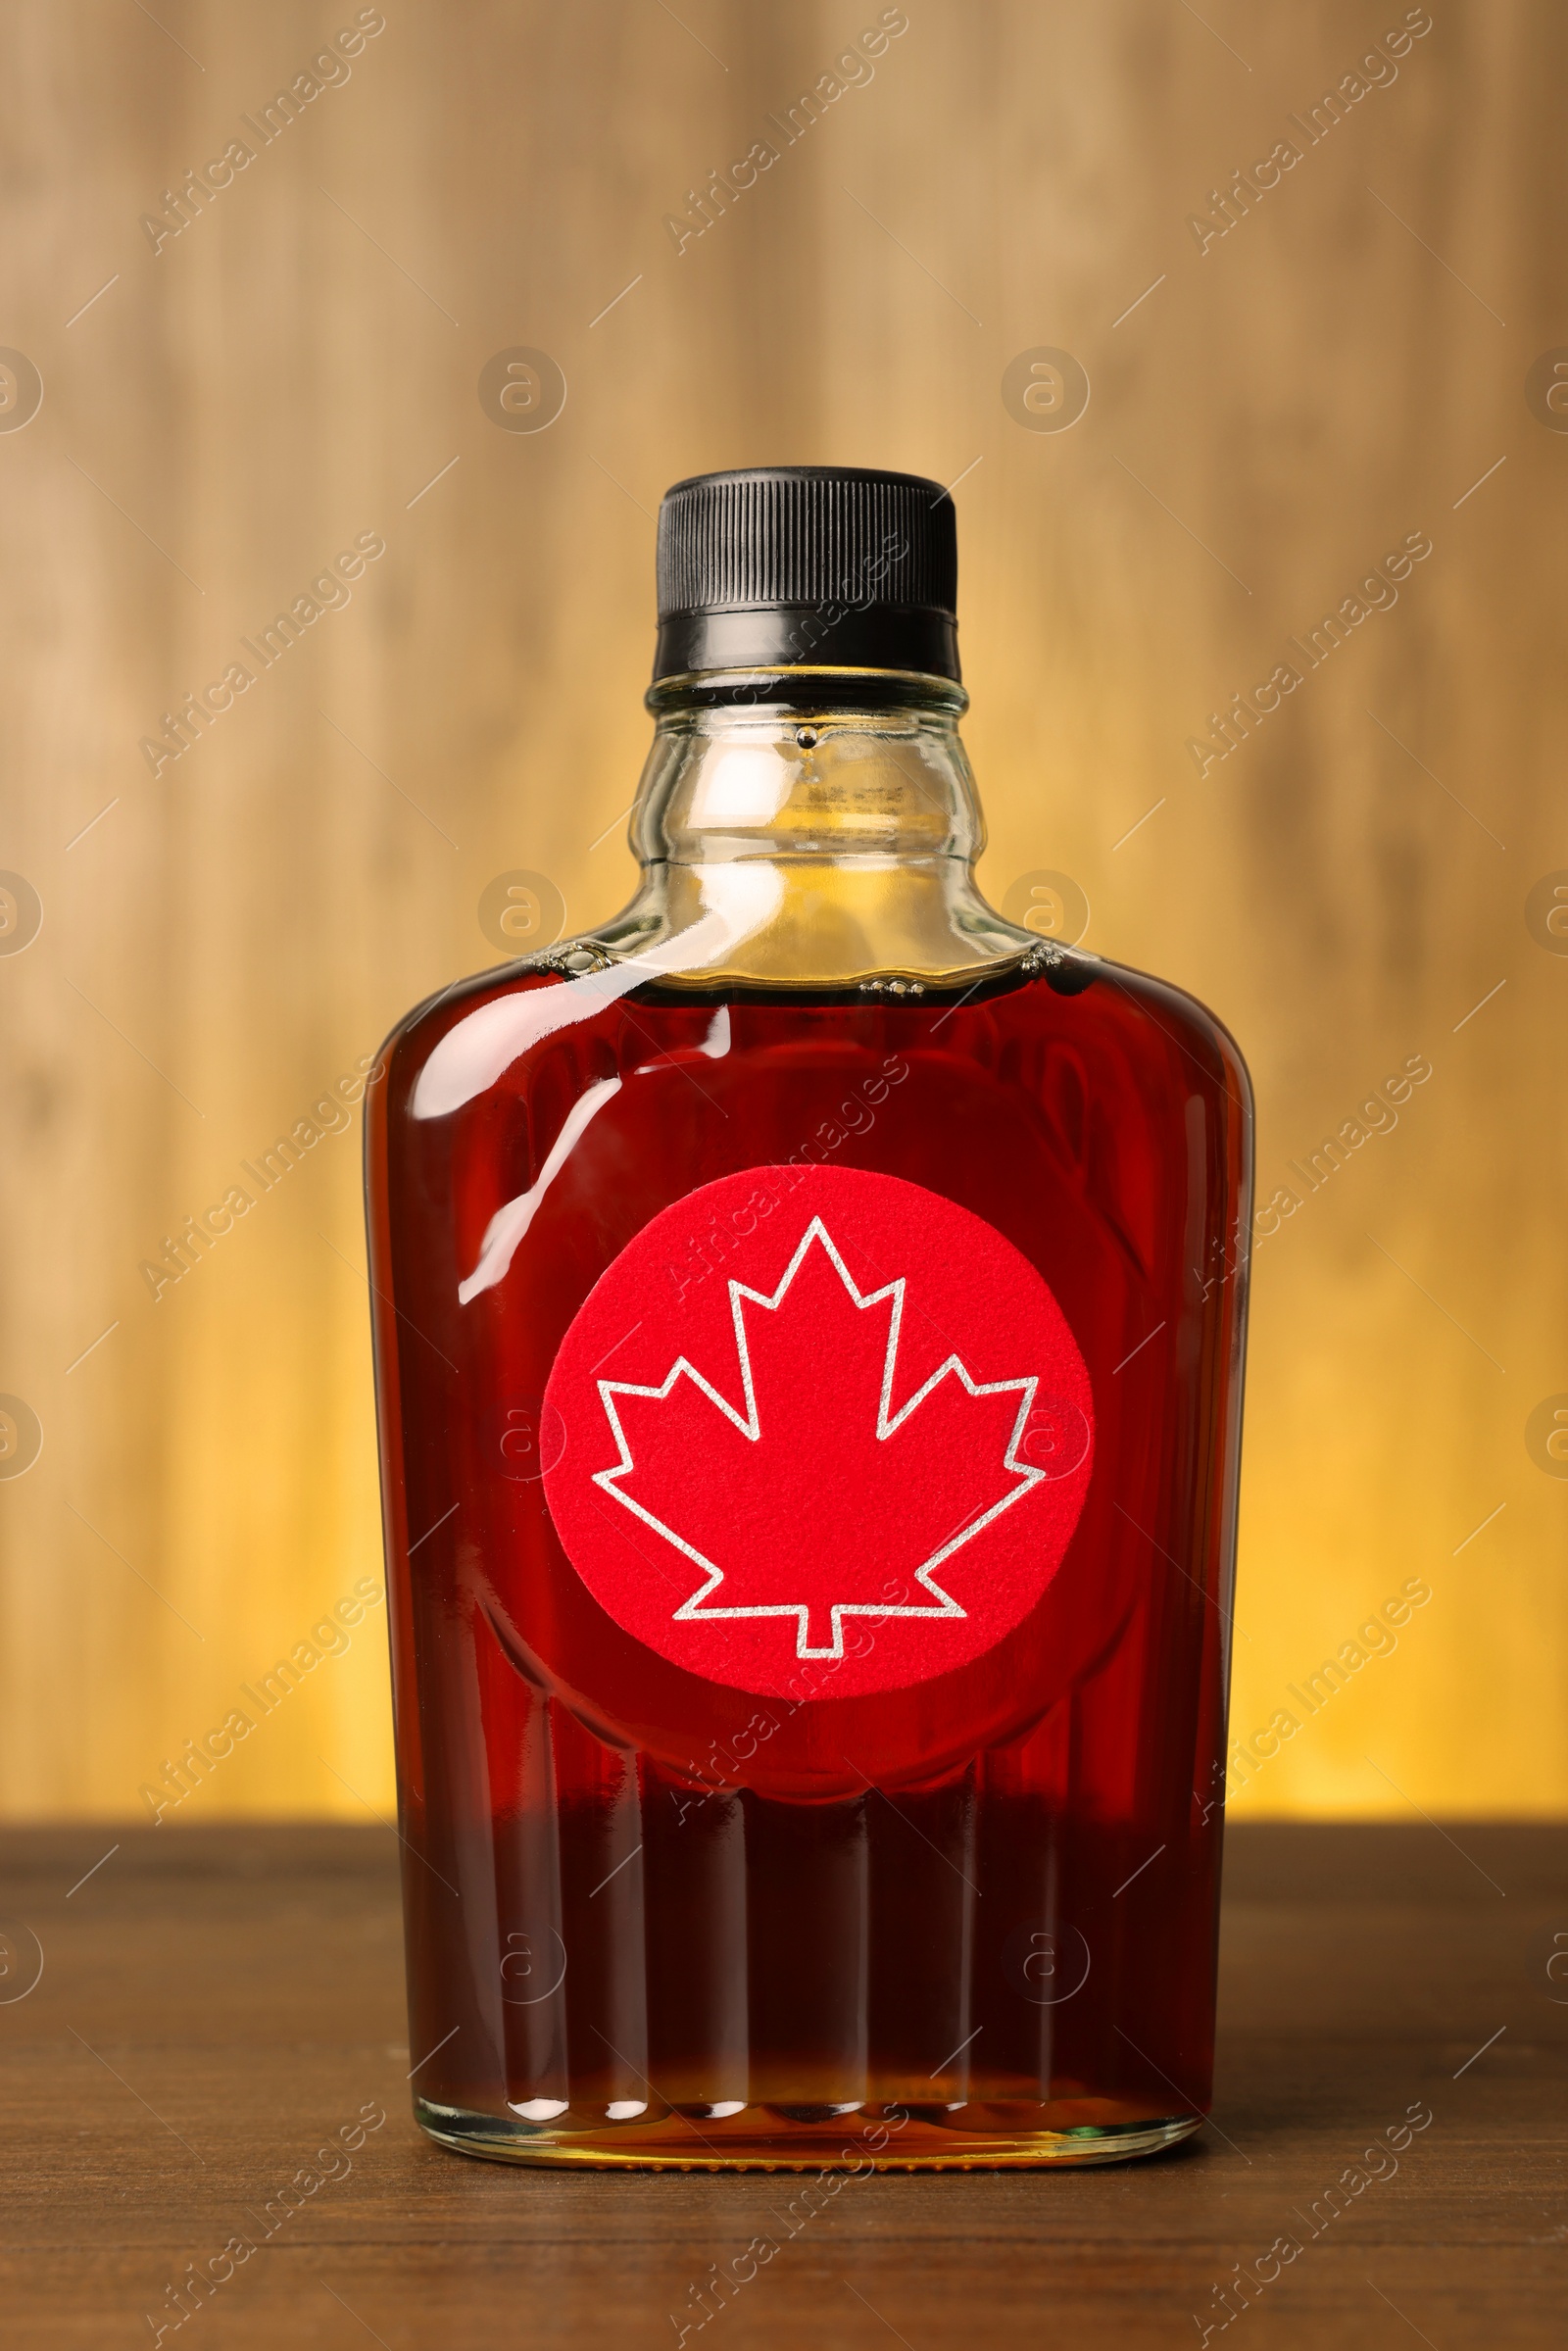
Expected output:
(760, 2138)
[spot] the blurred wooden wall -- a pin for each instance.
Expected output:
(222, 940)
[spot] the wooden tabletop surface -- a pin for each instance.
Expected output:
(215, 2004)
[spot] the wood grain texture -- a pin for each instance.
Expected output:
(217, 2003)
(300, 364)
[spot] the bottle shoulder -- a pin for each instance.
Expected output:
(419, 1031)
(583, 977)
(463, 1041)
(1181, 1020)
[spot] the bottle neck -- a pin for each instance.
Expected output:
(816, 829)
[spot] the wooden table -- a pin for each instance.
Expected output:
(215, 2003)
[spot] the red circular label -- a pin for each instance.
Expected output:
(820, 1433)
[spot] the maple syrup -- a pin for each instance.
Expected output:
(808, 1320)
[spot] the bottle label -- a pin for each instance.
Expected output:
(820, 1433)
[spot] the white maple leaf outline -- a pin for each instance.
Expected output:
(887, 1425)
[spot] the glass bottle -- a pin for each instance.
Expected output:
(809, 1317)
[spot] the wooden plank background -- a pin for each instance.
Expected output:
(224, 940)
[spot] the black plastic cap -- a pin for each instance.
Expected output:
(822, 566)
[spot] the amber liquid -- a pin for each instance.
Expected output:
(652, 1918)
